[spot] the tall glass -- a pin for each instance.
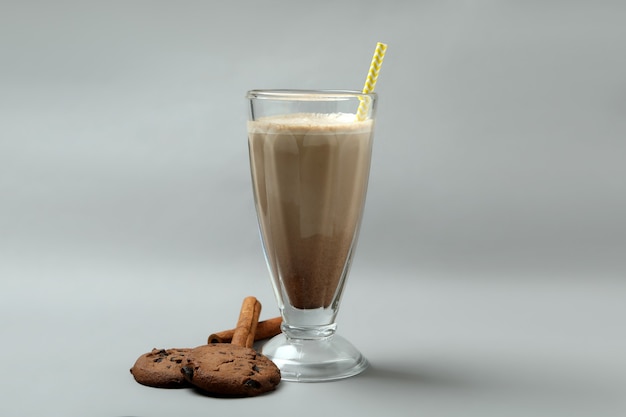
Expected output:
(310, 161)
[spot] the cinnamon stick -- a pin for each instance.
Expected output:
(247, 323)
(264, 330)
(255, 323)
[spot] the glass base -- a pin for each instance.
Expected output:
(314, 360)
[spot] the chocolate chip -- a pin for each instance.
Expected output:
(158, 360)
(187, 371)
(252, 384)
(256, 368)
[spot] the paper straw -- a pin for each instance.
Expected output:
(370, 81)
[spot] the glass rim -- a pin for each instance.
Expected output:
(306, 95)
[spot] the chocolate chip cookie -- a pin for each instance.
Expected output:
(229, 370)
(161, 368)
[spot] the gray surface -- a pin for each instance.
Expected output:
(490, 275)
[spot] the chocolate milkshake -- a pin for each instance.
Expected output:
(309, 174)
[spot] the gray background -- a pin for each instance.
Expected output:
(490, 274)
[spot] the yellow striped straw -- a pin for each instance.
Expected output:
(370, 81)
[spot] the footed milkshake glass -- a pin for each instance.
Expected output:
(310, 160)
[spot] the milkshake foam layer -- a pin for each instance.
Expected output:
(318, 123)
(310, 174)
